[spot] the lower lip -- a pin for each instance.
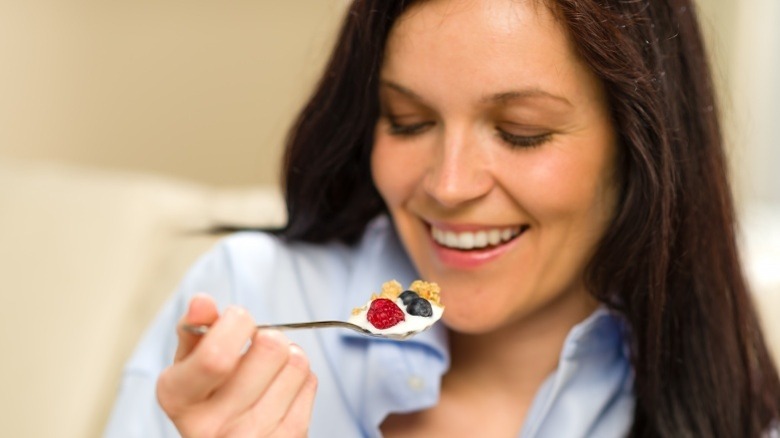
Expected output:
(473, 258)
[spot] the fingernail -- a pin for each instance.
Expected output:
(274, 335)
(234, 311)
(199, 297)
(298, 357)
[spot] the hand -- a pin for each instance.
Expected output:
(213, 390)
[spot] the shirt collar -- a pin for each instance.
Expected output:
(602, 331)
(592, 383)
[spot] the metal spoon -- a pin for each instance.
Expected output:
(202, 329)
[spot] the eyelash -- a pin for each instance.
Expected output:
(520, 141)
(408, 130)
(515, 141)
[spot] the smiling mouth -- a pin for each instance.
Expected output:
(476, 240)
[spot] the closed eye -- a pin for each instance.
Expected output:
(409, 129)
(524, 141)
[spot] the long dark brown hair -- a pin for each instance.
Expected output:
(668, 263)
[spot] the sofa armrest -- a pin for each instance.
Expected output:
(88, 258)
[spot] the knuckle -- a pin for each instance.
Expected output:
(215, 361)
(188, 419)
(206, 426)
(291, 429)
(245, 319)
(272, 348)
(275, 354)
(164, 393)
(299, 361)
(297, 372)
(248, 426)
(313, 381)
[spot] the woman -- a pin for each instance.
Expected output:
(557, 168)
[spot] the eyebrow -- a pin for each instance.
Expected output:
(403, 90)
(524, 94)
(504, 97)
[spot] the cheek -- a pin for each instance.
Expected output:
(382, 169)
(395, 170)
(565, 184)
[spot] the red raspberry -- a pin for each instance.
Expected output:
(384, 313)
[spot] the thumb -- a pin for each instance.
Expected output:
(202, 310)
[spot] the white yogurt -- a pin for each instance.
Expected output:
(411, 323)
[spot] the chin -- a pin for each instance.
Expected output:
(470, 326)
(467, 322)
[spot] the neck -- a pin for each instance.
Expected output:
(516, 359)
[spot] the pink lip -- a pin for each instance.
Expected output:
(471, 259)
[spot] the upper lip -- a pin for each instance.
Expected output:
(458, 227)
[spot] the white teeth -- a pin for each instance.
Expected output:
(480, 239)
(470, 240)
(450, 239)
(494, 237)
(466, 240)
(438, 235)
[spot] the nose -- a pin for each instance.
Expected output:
(459, 172)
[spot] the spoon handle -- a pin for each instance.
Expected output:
(203, 329)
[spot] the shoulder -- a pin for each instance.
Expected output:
(246, 268)
(266, 253)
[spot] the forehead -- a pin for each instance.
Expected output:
(493, 43)
(499, 14)
(470, 24)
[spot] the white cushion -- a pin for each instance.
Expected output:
(88, 257)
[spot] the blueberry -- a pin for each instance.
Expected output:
(419, 307)
(408, 296)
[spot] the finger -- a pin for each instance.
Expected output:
(266, 357)
(202, 310)
(296, 422)
(212, 361)
(268, 412)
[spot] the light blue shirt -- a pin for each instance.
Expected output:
(362, 380)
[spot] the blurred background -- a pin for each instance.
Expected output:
(126, 126)
(200, 90)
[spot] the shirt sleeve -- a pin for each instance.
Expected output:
(136, 412)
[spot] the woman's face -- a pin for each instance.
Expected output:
(496, 157)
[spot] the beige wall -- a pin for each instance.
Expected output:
(205, 90)
(755, 93)
(198, 89)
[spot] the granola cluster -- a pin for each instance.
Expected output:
(429, 291)
(392, 289)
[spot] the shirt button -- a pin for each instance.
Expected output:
(415, 383)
